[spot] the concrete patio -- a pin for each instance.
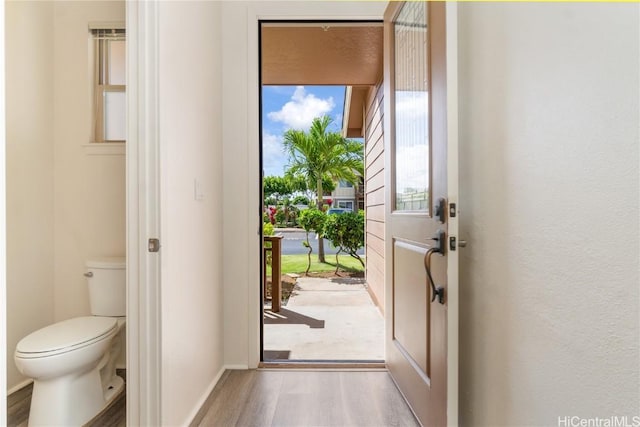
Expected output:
(330, 319)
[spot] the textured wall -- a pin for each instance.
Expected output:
(549, 190)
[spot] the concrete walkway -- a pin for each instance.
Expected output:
(326, 319)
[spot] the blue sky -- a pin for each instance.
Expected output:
(294, 107)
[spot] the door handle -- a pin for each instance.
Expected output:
(436, 291)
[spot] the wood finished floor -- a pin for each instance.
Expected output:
(300, 398)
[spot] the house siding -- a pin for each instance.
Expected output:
(374, 195)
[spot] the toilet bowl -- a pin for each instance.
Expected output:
(72, 363)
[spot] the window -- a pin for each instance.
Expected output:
(109, 91)
(345, 204)
(344, 184)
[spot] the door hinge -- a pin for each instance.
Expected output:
(154, 245)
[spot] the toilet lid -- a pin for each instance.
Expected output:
(67, 333)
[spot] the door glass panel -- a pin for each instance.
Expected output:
(412, 136)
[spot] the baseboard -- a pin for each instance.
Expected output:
(310, 365)
(19, 386)
(196, 409)
(236, 367)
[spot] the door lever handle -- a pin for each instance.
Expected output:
(436, 291)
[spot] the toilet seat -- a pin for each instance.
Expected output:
(66, 336)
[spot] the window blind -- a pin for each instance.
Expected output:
(108, 33)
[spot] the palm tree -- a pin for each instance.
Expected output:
(319, 154)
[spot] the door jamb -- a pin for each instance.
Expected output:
(255, 14)
(452, 197)
(143, 222)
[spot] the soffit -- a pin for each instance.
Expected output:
(322, 54)
(353, 120)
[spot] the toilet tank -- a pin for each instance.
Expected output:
(107, 281)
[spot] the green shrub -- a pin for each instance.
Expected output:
(346, 232)
(301, 200)
(267, 229)
(280, 216)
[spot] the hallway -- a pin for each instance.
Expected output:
(305, 398)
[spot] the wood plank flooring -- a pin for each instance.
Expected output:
(298, 398)
(18, 405)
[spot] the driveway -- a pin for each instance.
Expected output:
(292, 242)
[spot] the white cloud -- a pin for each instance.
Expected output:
(413, 170)
(301, 110)
(412, 134)
(412, 105)
(273, 158)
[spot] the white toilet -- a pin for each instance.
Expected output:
(72, 362)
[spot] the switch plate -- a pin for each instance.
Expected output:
(198, 194)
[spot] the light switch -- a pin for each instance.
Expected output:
(198, 194)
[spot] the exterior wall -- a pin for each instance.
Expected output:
(374, 197)
(29, 173)
(549, 186)
(347, 194)
(190, 113)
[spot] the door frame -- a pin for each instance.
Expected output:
(453, 285)
(256, 13)
(143, 331)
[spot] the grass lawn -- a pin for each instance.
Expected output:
(298, 264)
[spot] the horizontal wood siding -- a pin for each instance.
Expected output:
(375, 181)
(374, 197)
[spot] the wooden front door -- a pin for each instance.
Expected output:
(417, 209)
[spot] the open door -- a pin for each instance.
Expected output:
(419, 211)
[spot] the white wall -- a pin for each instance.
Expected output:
(190, 111)
(242, 216)
(549, 190)
(89, 189)
(29, 173)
